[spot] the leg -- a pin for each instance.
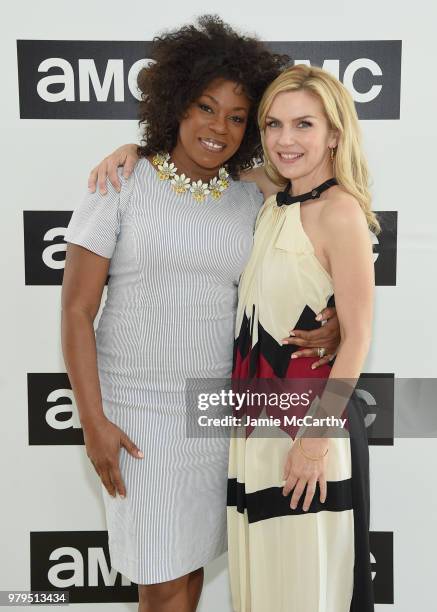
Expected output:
(181, 594)
(195, 587)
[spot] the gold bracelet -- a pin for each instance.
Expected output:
(309, 456)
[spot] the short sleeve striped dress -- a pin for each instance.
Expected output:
(169, 315)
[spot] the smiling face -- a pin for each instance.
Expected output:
(212, 129)
(298, 138)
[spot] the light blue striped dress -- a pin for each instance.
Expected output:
(169, 315)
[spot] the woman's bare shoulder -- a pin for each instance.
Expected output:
(342, 212)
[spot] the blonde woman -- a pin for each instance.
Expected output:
(298, 505)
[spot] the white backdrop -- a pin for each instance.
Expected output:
(53, 488)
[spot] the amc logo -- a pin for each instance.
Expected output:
(78, 562)
(377, 394)
(53, 416)
(385, 248)
(44, 247)
(381, 556)
(61, 79)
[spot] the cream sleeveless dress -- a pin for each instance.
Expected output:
(284, 560)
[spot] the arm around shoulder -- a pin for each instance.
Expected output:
(258, 175)
(125, 157)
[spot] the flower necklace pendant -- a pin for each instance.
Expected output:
(181, 184)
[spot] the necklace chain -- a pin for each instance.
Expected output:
(181, 184)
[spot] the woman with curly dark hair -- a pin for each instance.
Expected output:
(187, 61)
(174, 239)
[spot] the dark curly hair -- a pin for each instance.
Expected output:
(186, 61)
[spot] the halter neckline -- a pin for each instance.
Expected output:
(283, 197)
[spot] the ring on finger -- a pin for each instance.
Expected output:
(321, 352)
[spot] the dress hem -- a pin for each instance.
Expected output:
(122, 565)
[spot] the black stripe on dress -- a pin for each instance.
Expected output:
(270, 503)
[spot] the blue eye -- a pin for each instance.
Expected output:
(272, 124)
(305, 124)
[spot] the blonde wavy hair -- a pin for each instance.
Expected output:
(349, 164)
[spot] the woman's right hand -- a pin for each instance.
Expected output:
(301, 473)
(103, 440)
(125, 156)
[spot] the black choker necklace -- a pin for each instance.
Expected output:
(283, 197)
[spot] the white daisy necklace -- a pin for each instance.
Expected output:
(181, 183)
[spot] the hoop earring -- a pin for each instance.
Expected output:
(332, 153)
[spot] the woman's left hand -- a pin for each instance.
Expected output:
(300, 472)
(326, 337)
